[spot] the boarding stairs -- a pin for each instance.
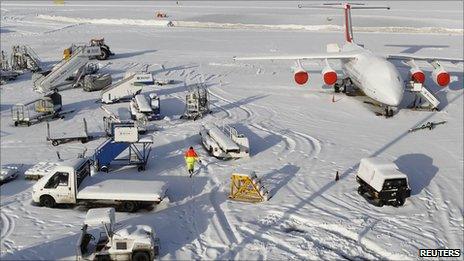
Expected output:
(422, 93)
(125, 138)
(57, 78)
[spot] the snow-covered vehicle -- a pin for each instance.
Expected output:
(143, 106)
(131, 242)
(381, 182)
(71, 183)
(100, 42)
(8, 173)
(225, 142)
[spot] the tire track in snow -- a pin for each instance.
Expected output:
(7, 227)
(290, 144)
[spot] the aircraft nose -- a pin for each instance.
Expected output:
(389, 94)
(394, 99)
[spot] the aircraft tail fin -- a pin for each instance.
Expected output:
(347, 9)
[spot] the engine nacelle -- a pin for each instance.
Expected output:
(417, 75)
(329, 75)
(301, 76)
(440, 76)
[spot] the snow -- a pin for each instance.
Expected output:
(120, 187)
(375, 171)
(63, 129)
(141, 234)
(298, 137)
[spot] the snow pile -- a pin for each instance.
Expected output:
(106, 21)
(216, 25)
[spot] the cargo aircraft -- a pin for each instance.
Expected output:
(374, 75)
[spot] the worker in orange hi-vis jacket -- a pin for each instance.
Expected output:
(190, 158)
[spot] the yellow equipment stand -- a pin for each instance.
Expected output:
(244, 187)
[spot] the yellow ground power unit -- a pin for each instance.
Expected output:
(247, 187)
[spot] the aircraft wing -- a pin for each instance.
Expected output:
(314, 56)
(407, 57)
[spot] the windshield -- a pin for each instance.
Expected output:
(394, 183)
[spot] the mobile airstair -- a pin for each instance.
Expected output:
(125, 138)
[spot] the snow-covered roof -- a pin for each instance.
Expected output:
(99, 216)
(121, 187)
(374, 171)
(142, 103)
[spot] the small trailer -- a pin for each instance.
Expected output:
(48, 107)
(382, 183)
(56, 139)
(143, 106)
(129, 242)
(71, 183)
(224, 143)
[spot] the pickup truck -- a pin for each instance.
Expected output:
(71, 183)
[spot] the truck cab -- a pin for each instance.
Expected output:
(60, 185)
(101, 240)
(382, 183)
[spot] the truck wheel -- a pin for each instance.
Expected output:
(399, 202)
(16, 124)
(84, 140)
(47, 201)
(104, 169)
(55, 143)
(361, 191)
(141, 168)
(380, 204)
(140, 256)
(105, 53)
(129, 206)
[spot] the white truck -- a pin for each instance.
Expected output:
(131, 242)
(224, 143)
(382, 183)
(71, 183)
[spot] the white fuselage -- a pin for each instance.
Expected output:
(375, 76)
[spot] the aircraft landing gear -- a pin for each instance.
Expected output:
(388, 112)
(343, 85)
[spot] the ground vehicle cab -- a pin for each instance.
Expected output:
(101, 240)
